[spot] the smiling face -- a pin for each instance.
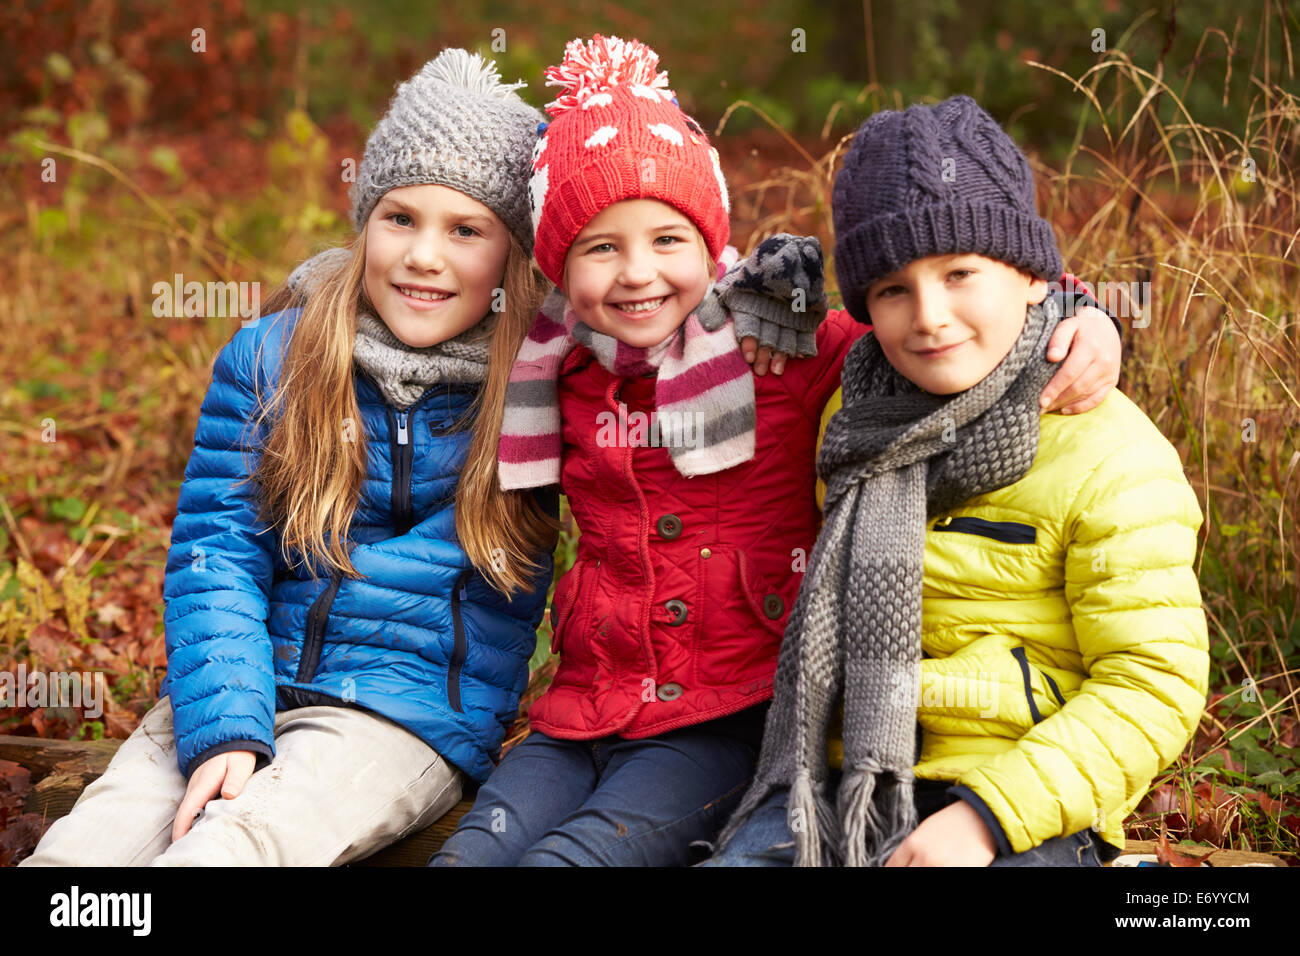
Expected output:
(434, 258)
(637, 271)
(945, 322)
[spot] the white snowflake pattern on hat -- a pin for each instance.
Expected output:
(664, 131)
(649, 93)
(537, 187)
(722, 183)
(601, 136)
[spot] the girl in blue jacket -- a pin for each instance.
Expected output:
(351, 599)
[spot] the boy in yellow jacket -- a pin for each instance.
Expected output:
(1000, 629)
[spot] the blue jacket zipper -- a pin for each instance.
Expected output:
(315, 636)
(402, 461)
(459, 649)
(318, 615)
(403, 453)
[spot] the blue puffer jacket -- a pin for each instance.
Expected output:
(421, 639)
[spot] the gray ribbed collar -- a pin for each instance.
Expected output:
(404, 373)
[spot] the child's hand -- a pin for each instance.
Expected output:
(226, 772)
(762, 358)
(776, 299)
(954, 836)
(1089, 343)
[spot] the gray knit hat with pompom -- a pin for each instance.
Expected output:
(454, 124)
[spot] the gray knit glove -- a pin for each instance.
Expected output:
(777, 295)
(309, 274)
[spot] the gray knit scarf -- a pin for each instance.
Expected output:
(892, 456)
(404, 373)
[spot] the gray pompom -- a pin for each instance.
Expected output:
(469, 70)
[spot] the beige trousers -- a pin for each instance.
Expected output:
(344, 784)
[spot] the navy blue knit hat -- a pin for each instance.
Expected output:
(934, 180)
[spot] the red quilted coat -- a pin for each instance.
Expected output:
(675, 607)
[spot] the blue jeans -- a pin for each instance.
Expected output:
(765, 840)
(606, 802)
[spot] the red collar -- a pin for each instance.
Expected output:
(578, 358)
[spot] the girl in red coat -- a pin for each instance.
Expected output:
(690, 478)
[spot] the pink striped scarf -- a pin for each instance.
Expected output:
(704, 396)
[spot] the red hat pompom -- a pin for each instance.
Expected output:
(600, 64)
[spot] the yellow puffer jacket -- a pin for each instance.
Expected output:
(1066, 657)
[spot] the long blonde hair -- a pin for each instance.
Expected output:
(314, 457)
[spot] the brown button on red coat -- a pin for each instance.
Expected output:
(734, 543)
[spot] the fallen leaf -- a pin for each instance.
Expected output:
(1166, 854)
(19, 838)
(49, 643)
(15, 781)
(1165, 798)
(1288, 731)
(1266, 803)
(103, 654)
(119, 722)
(113, 614)
(1212, 795)
(1208, 831)
(1175, 821)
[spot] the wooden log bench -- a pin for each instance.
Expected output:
(61, 769)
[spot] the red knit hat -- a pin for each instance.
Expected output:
(617, 133)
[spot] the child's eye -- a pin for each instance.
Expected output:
(960, 273)
(602, 247)
(889, 290)
(396, 216)
(466, 232)
(671, 240)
